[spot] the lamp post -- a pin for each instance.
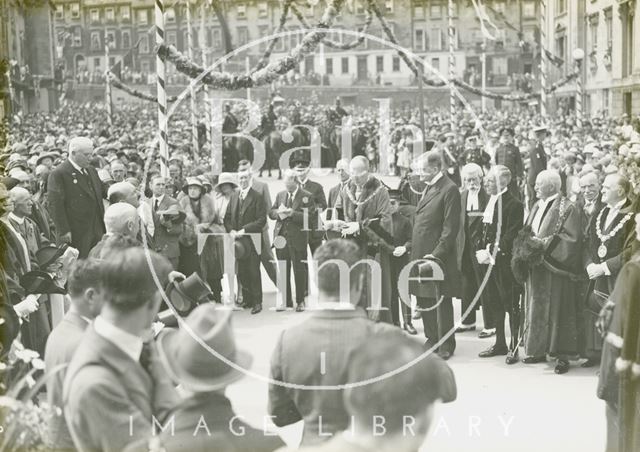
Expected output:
(578, 56)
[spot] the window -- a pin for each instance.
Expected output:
(144, 67)
(380, 63)
(435, 64)
(435, 11)
(560, 46)
(593, 32)
(110, 39)
(243, 35)
(418, 12)
(77, 37)
(561, 7)
(263, 30)
(109, 14)
(75, 10)
(455, 38)
(126, 39)
(143, 17)
(529, 9)
(360, 6)
(435, 39)
(241, 11)
(170, 15)
(328, 65)
(59, 12)
(263, 10)
(500, 7)
(144, 44)
(345, 65)
(112, 61)
(293, 39)
(609, 30)
(94, 15)
(216, 39)
(125, 12)
(499, 65)
(388, 6)
(95, 40)
(97, 63)
(172, 38)
(396, 64)
(418, 41)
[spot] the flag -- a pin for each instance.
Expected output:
(484, 19)
(127, 60)
(555, 60)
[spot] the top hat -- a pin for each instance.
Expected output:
(48, 254)
(39, 282)
(201, 368)
(173, 211)
(185, 294)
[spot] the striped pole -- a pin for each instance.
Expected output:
(162, 94)
(543, 59)
(107, 77)
(207, 101)
(192, 91)
(452, 66)
(579, 94)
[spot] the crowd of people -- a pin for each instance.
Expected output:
(104, 249)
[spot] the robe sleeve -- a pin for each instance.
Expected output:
(564, 249)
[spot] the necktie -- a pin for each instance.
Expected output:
(289, 196)
(156, 203)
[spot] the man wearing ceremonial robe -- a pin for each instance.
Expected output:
(552, 304)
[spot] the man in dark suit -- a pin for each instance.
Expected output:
(320, 201)
(115, 382)
(75, 198)
(537, 161)
(508, 155)
(266, 254)
(502, 294)
(435, 230)
(289, 236)
(473, 201)
(65, 339)
(247, 214)
(166, 232)
(337, 327)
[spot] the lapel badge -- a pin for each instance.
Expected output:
(305, 199)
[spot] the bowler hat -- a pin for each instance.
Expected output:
(39, 282)
(185, 294)
(202, 356)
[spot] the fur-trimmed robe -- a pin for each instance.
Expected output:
(375, 210)
(553, 307)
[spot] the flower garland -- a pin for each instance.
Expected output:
(264, 60)
(116, 83)
(263, 76)
(333, 44)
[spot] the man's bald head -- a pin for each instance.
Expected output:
(21, 200)
(590, 186)
(121, 218)
(615, 189)
(80, 151)
(123, 192)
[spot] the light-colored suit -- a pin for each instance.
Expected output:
(109, 398)
(61, 346)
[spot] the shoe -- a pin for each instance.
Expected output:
(562, 367)
(534, 359)
(409, 328)
(445, 355)
(281, 309)
(428, 345)
(464, 328)
(589, 363)
(257, 308)
(487, 333)
(417, 315)
(512, 358)
(492, 351)
(300, 307)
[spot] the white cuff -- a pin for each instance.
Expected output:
(605, 269)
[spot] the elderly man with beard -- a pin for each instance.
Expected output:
(365, 203)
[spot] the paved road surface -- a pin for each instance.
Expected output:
(499, 408)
